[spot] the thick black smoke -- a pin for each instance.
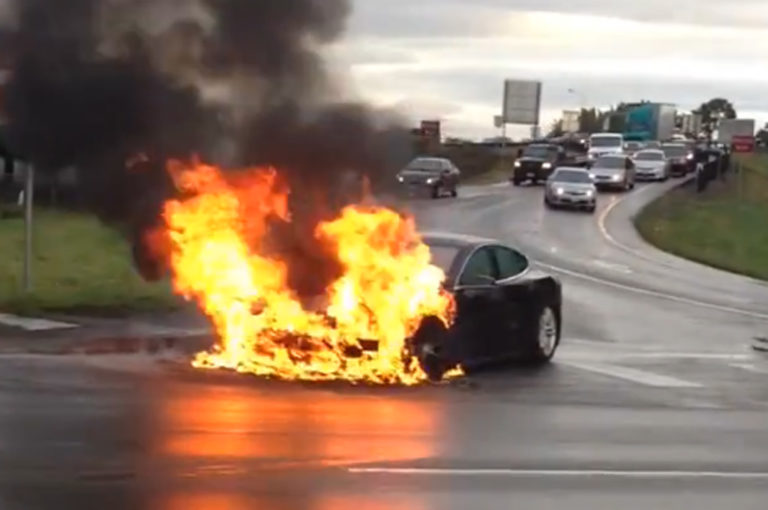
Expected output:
(97, 82)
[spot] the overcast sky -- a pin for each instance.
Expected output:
(447, 59)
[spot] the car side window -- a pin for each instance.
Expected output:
(511, 263)
(480, 269)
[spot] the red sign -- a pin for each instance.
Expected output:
(743, 143)
(430, 129)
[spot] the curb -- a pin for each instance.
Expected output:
(152, 344)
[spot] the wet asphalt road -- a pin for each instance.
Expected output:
(655, 399)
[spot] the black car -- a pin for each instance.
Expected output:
(537, 162)
(437, 176)
(505, 308)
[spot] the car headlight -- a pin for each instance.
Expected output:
(617, 178)
(431, 180)
(590, 156)
(517, 164)
(559, 191)
(689, 157)
(592, 176)
(546, 166)
(400, 178)
(590, 193)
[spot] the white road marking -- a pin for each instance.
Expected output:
(570, 473)
(604, 217)
(749, 367)
(653, 293)
(632, 375)
(30, 324)
(613, 267)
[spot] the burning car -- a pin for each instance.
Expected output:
(504, 308)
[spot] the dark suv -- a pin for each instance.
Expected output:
(537, 162)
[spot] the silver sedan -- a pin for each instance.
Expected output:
(652, 165)
(571, 187)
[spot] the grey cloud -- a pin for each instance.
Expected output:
(482, 18)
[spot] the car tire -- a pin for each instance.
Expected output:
(516, 182)
(591, 209)
(545, 336)
(427, 342)
(455, 192)
(436, 192)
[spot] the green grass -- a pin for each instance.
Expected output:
(724, 227)
(79, 266)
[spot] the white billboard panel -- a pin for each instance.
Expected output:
(728, 128)
(571, 121)
(522, 102)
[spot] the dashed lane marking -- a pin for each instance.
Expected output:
(634, 375)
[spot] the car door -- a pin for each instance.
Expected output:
(516, 297)
(480, 306)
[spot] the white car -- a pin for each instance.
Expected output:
(571, 187)
(601, 144)
(614, 171)
(652, 165)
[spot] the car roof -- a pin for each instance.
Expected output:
(653, 151)
(456, 240)
(680, 145)
(430, 158)
(571, 169)
(544, 145)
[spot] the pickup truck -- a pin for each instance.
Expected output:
(539, 160)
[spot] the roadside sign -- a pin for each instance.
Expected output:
(743, 143)
(522, 102)
(730, 128)
(430, 129)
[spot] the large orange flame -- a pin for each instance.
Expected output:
(387, 286)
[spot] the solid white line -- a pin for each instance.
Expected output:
(29, 324)
(653, 293)
(632, 375)
(749, 367)
(577, 473)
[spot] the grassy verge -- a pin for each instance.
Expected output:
(724, 227)
(499, 173)
(80, 266)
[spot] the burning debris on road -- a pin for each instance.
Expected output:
(220, 242)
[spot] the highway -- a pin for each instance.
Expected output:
(655, 399)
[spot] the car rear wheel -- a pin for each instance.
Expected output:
(516, 182)
(546, 335)
(455, 192)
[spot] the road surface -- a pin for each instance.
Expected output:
(655, 399)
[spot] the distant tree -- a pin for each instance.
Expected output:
(556, 129)
(591, 120)
(714, 110)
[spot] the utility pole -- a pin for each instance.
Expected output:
(29, 192)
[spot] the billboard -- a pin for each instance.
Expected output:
(571, 121)
(728, 128)
(522, 102)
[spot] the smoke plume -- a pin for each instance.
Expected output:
(241, 82)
